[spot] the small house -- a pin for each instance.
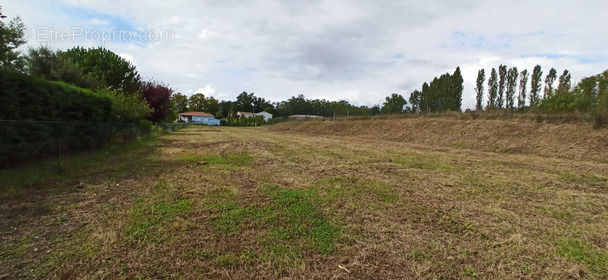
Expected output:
(199, 117)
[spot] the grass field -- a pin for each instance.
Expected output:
(241, 203)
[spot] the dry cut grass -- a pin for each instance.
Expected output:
(241, 203)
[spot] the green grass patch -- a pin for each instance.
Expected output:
(302, 220)
(575, 249)
(231, 160)
(16, 249)
(201, 254)
(231, 217)
(227, 260)
(291, 216)
(147, 221)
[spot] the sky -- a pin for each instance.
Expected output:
(357, 50)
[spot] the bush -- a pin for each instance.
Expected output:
(27, 98)
(276, 120)
(129, 108)
(144, 126)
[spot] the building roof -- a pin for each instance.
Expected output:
(246, 113)
(200, 114)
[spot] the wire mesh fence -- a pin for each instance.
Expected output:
(24, 141)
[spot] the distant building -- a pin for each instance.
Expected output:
(304, 117)
(266, 115)
(246, 114)
(199, 117)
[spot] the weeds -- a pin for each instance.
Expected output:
(148, 219)
(575, 249)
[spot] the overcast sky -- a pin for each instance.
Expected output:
(356, 50)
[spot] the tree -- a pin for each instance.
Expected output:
(180, 102)
(41, 62)
(259, 104)
(126, 108)
(523, 83)
(394, 104)
(1, 14)
(158, 96)
(196, 103)
(211, 105)
(244, 102)
(375, 110)
(565, 83)
(511, 88)
(481, 78)
(492, 89)
(535, 86)
(45, 63)
(502, 74)
(455, 90)
(225, 109)
(549, 80)
(11, 38)
(109, 69)
(415, 100)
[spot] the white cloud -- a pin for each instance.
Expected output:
(208, 90)
(128, 57)
(360, 50)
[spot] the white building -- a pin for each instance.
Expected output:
(199, 117)
(266, 115)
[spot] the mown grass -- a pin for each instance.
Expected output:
(232, 159)
(291, 217)
(579, 250)
(148, 221)
(242, 203)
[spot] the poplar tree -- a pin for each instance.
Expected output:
(564, 83)
(523, 84)
(535, 85)
(549, 80)
(492, 89)
(455, 90)
(502, 74)
(511, 88)
(481, 78)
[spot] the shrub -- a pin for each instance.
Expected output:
(27, 98)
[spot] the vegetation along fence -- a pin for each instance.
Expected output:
(23, 141)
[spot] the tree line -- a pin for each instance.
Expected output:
(443, 93)
(512, 90)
